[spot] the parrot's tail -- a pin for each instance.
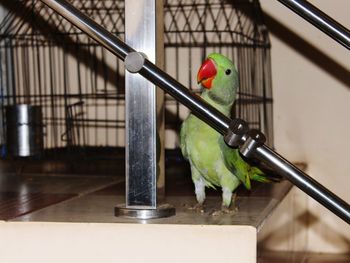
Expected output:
(258, 175)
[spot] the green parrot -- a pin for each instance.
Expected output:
(213, 163)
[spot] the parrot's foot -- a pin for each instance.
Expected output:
(224, 211)
(216, 213)
(229, 209)
(199, 208)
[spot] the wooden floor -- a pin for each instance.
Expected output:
(24, 193)
(14, 204)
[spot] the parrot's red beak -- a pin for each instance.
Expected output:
(207, 73)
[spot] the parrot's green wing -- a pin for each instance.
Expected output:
(183, 132)
(242, 170)
(235, 163)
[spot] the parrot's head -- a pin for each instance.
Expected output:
(219, 78)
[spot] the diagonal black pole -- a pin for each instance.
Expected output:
(250, 143)
(320, 20)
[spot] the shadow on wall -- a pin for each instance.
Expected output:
(306, 220)
(308, 50)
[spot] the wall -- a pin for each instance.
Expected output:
(102, 242)
(311, 84)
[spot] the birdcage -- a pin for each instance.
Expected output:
(196, 28)
(79, 86)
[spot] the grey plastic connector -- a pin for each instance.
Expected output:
(134, 61)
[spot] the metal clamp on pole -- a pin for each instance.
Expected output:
(236, 132)
(254, 140)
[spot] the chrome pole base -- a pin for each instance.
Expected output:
(164, 210)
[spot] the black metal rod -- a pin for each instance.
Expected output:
(320, 20)
(201, 109)
(304, 182)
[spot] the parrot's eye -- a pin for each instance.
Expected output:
(228, 71)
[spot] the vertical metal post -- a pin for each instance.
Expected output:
(143, 149)
(140, 100)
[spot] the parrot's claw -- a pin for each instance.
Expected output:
(227, 210)
(224, 211)
(199, 208)
(216, 213)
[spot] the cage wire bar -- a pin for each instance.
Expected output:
(46, 61)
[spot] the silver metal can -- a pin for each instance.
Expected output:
(24, 130)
